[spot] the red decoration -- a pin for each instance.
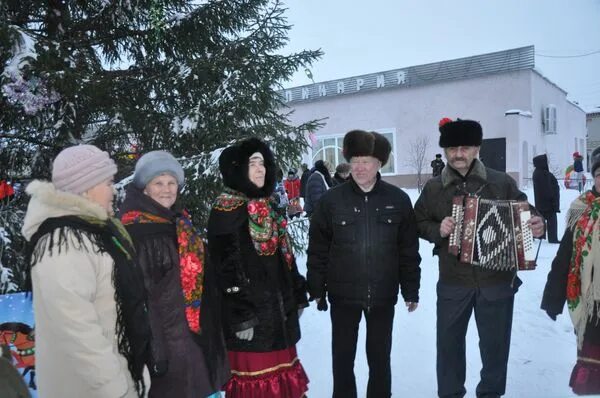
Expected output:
(445, 120)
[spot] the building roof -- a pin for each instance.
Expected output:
(456, 69)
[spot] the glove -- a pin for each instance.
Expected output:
(247, 334)
(322, 304)
(300, 311)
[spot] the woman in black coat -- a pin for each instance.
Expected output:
(575, 280)
(188, 350)
(263, 292)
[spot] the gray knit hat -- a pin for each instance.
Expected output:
(78, 168)
(154, 164)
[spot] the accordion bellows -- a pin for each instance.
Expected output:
(492, 234)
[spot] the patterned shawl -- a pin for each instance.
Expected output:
(267, 227)
(191, 260)
(583, 281)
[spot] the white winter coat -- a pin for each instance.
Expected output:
(74, 307)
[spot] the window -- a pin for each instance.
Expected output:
(329, 148)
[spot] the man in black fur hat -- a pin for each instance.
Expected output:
(363, 247)
(464, 288)
(437, 165)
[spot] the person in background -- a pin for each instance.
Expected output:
(578, 170)
(188, 349)
(306, 172)
(6, 190)
(263, 292)
(280, 198)
(547, 195)
(363, 248)
(575, 279)
(318, 183)
(437, 165)
(292, 188)
(89, 302)
(465, 288)
(342, 173)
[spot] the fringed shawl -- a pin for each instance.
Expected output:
(583, 280)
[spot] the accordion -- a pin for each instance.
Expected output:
(492, 234)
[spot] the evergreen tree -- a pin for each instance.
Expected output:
(132, 76)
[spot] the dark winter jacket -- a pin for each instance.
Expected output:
(303, 181)
(435, 203)
(259, 291)
(363, 246)
(578, 164)
(437, 165)
(185, 364)
(555, 291)
(12, 384)
(318, 183)
(337, 179)
(545, 187)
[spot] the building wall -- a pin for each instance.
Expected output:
(593, 133)
(415, 111)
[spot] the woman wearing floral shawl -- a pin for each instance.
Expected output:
(188, 351)
(575, 278)
(263, 292)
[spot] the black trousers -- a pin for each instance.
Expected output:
(493, 309)
(551, 226)
(344, 325)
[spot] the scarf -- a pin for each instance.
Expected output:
(583, 280)
(107, 236)
(268, 228)
(191, 260)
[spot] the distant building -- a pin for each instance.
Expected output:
(593, 132)
(523, 114)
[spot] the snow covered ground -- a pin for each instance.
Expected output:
(542, 355)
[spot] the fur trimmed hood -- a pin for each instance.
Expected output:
(233, 164)
(48, 202)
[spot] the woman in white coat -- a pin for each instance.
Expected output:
(92, 331)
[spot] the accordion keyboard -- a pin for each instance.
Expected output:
(528, 249)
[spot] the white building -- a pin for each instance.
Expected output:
(522, 113)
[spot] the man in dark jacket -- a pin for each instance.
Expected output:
(362, 247)
(437, 165)
(318, 183)
(304, 179)
(547, 195)
(463, 287)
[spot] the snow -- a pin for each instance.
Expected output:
(542, 356)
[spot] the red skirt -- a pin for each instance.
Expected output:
(276, 374)
(585, 378)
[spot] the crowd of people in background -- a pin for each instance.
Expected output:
(144, 303)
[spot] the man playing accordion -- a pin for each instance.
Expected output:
(463, 288)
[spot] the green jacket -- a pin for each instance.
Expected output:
(435, 203)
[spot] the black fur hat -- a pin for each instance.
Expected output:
(233, 164)
(460, 133)
(364, 143)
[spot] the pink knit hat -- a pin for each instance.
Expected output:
(79, 168)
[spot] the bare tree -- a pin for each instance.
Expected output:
(417, 149)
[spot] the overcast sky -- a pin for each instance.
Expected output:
(367, 36)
